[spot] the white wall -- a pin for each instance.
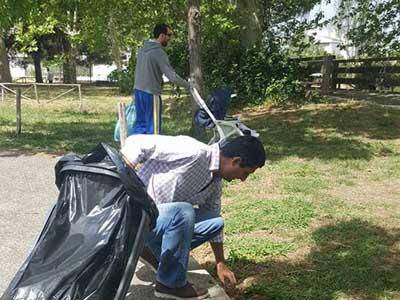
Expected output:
(16, 71)
(100, 72)
(329, 39)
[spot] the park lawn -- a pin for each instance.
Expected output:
(319, 221)
(62, 126)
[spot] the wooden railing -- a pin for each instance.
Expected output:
(366, 73)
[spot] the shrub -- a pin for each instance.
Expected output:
(124, 79)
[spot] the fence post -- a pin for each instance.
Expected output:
(80, 97)
(36, 92)
(122, 123)
(335, 66)
(18, 110)
(326, 70)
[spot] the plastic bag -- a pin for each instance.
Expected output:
(130, 116)
(90, 243)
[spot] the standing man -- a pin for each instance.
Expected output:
(184, 177)
(152, 62)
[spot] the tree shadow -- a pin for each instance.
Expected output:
(388, 98)
(326, 132)
(59, 137)
(349, 260)
(329, 132)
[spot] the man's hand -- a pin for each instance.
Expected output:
(226, 276)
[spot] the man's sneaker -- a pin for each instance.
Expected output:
(188, 292)
(149, 259)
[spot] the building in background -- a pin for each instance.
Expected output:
(332, 42)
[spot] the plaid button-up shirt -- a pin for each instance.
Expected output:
(178, 169)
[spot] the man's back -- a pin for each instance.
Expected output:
(176, 169)
(148, 74)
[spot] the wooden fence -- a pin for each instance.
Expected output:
(329, 73)
(12, 88)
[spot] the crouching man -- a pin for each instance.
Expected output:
(184, 177)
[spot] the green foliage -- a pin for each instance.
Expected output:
(31, 36)
(286, 91)
(267, 74)
(370, 26)
(124, 79)
(256, 72)
(178, 51)
(261, 73)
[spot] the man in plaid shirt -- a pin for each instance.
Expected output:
(184, 177)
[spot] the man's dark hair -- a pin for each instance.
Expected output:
(248, 148)
(160, 28)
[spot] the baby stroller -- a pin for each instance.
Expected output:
(224, 127)
(91, 241)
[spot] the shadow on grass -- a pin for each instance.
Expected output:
(349, 260)
(388, 98)
(59, 137)
(330, 132)
(326, 132)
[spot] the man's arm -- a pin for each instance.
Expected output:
(167, 69)
(226, 276)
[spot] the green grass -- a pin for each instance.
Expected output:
(319, 221)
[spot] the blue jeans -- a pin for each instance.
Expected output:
(179, 228)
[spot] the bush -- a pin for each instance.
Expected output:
(124, 79)
(262, 73)
(285, 91)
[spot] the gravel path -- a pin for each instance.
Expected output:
(27, 192)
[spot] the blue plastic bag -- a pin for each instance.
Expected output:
(130, 116)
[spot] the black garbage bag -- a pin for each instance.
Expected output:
(90, 243)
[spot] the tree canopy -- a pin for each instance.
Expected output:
(245, 44)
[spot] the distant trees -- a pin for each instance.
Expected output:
(373, 26)
(237, 43)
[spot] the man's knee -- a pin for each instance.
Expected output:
(178, 211)
(186, 212)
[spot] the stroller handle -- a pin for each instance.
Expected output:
(224, 128)
(200, 102)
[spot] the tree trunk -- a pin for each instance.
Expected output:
(250, 24)
(38, 68)
(115, 48)
(196, 74)
(5, 74)
(69, 65)
(70, 51)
